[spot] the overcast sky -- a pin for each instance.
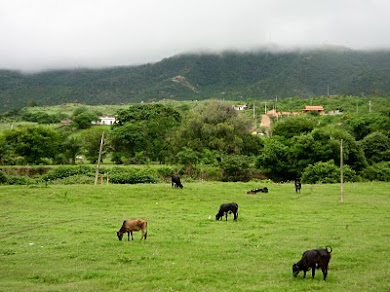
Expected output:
(48, 34)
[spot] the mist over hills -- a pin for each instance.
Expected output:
(230, 75)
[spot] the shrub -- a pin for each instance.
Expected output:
(327, 172)
(130, 176)
(67, 171)
(3, 178)
(76, 179)
(165, 172)
(20, 180)
(379, 171)
(236, 168)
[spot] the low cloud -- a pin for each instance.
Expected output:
(46, 34)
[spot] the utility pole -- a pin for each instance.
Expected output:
(265, 107)
(276, 105)
(327, 91)
(341, 173)
(254, 116)
(357, 107)
(369, 106)
(99, 159)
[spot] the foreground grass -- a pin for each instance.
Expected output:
(63, 238)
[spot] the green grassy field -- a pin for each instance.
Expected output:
(63, 238)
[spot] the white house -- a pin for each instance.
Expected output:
(105, 120)
(240, 107)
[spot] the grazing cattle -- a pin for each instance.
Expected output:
(133, 225)
(314, 259)
(263, 190)
(226, 209)
(176, 181)
(297, 185)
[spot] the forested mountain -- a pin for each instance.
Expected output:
(231, 75)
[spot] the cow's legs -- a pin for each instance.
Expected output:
(131, 232)
(128, 236)
(304, 274)
(313, 271)
(325, 272)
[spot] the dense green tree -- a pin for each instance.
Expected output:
(327, 172)
(274, 158)
(91, 143)
(146, 112)
(327, 147)
(33, 143)
(73, 146)
(376, 147)
(84, 120)
(42, 117)
(294, 126)
(143, 129)
(362, 125)
(236, 168)
(188, 157)
(6, 152)
(378, 171)
(125, 141)
(216, 126)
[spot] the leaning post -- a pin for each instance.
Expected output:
(100, 157)
(341, 173)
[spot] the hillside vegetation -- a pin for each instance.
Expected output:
(231, 75)
(192, 135)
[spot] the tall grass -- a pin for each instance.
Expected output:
(63, 238)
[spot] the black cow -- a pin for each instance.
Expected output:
(226, 209)
(263, 190)
(297, 185)
(176, 181)
(314, 259)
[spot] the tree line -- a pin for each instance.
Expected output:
(213, 133)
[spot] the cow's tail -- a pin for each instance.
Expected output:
(328, 250)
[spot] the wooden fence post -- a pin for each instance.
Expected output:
(100, 157)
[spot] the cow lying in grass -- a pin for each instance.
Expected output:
(133, 225)
(263, 190)
(226, 209)
(314, 259)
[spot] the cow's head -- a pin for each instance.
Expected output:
(180, 186)
(217, 217)
(295, 269)
(120, 235)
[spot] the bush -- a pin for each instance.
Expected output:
(327, 172)
(130, 176)
(76, 179)
(165, 172)
(21, 180)
(236, 168)
(67, 171)
(379, 171)
(3, 178)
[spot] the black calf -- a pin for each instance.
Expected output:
(314, 259)
(226, 209)
(176, 181)
(297, 185)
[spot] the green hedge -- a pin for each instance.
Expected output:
(128, 176)
(327, 172)
(67, 171)
(379, 171)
